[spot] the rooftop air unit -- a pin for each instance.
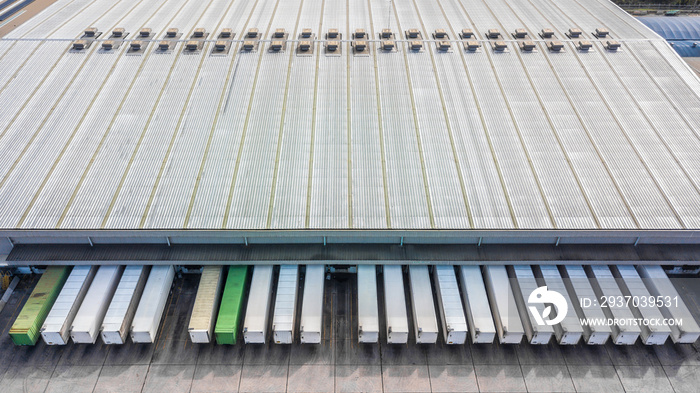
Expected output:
(575, 32)
(555, 46)
(226, 33)
(527, 46)
(500, 46)
(547, 33)
(199, 32)
(612, 45)
(584, 46)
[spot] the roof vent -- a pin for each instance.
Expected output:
(220, 46)
(279, 33)
(612, 45)
(135, 45)
(416, 45)
(472, 46)
(500, 46)
(332, 46)
(192, 45)
(276, 46)
(601, 32)
(163, 45)
(388, 45)
(360, 33)
(146, 32)
(527, 46)
(90, 32)
(332, 33)
(575, 32)
(304, 46)
(412, 33)
(171, 32)
(467, 33)
(520, 33)
(248, 45)
(118, 32)
(547, 33)
(386, 33)
(584, 46)
(440, 33)
(108, 45)
(493, 34)
(360, 46)
(555, 46)
(306, 33)
(198, 32)
(444, 46)
(252, 33)
(79, 45)
(226, 33)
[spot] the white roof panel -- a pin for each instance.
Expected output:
(401, 140)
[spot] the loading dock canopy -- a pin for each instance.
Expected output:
(278, 140)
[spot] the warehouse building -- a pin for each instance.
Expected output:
(298, 152)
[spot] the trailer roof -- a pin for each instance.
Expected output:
(403, 139)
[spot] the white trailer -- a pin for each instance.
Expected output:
(312, 305)
(367, 308)
(56, 328)
(524, 285)
(424, 319)
(395, 305)
(505, 311)
(206, 305)
(150, 310)
(610, 296)
(120, 313)
(585, 304)
(673, 307)
(476, 303)
(285, 304)
(569, 331)
(633, 288)
(453, 321)
(258, 308)
(87, 322)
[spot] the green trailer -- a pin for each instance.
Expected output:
(27, 326)
(230, 311)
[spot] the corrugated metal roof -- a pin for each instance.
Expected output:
(431, 139)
